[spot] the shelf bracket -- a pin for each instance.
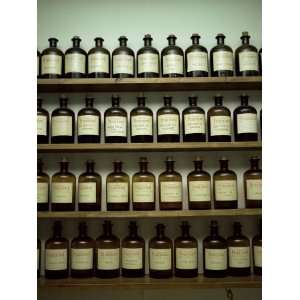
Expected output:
(229, 294)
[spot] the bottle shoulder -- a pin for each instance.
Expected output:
(52, 50)
(62, 112)
(123, 50)
(243, 109)
(99, 50)
(193, 110)
(245, 48)
(147, 49)
(227, 173)
(219, 110)
(117, 111)
(138, 110)
(218, 48)
(167, 110)
(172, 50)
(196, 48)
(89, 111)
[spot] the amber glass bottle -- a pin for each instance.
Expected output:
(38, 69)
(38, 264)
(42, 188)
(215, 253)
(56, 254)
(257, 251)
(107, 253)
(42, 123)
(133, 253)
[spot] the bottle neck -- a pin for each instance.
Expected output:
(117, 167)
(76, 43)
(218, 101)
(107, 229)
(63, 103)
(245, 40)
(39, 167)
(147, 42)
(214, 231)
(143, 167)
(90, 167)
(141, 101)
(244, 101)
(237, 231)
(57, 233)
(198, 165)
(193, 101)
(64, 166)
(254, 164)
(53, 43)
(82, 233)
(160, 232)
(115, 102)
(185, 231)
(195, 40)
(220, 40)
(123, 43)
(170, 166)
(167, 101)
(224, 165)
(172, 41)
(98, 42)
(89, 103)
(133, 232)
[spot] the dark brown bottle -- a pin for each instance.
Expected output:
(168, 123)
(170, 187)
(196, 59)
(186, 253)
(133, 253)
(89, 123)
(38, 258)
(193, 122)
(245, 121)
(115, 122)
(260, 115)
(215, 253)
(75, 60)
(246, 58)
(219, 122)
(117, 188)
(225, 187)
(98, 60)
(42, 123)
(42, 188)
(147, 60)
(172, 59)
(107, 253)
(253, 184)
(56, 254)
(89, 189)
(38, 70)
(199, 187)
(141, 123)
(260, 61)
(52, 61)
(63, 189)
(257, 251)
(238, 252)
(123, 60)
(62, 123)
(82, 254)
(221, 58)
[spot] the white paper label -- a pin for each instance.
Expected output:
(56, 259)
(199, 191)
(51, 64)
(226, 190)
(82, 259)
(132, 258)
(220, 125)
(141, 125)
(148, 62)
(248, 61)
(194, 123)
(168, 124)
(186, 258)
(62, 192)
(223, 60)
(171, 191)
(172, 63)
(123, 63)
(87, 192)
(246, 123)
(239, 257)
(42, 192)
(88, 125)
(197, 61)
(254, 189)
(98, 63)
(75, 62)
(62, 125)
(257, 256)
(160, 259)
(41, 125)
(108, 259)
(143, 192)
(117, 192)
(216, 259)
(115, 126)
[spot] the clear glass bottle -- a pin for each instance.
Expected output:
(257, 251)
(42, 123)
(42, 188)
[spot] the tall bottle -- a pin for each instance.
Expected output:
(42, 188)
(260, 61)
(42, 123)
(257, 251)
(38, 264)
(38, 70)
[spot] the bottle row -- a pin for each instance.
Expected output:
(143, 185)
(107, 255)
(219, 127)
(194, 62)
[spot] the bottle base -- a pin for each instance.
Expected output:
(122, 75)
(239, 272)
(43, 207)
(246, 137)
(75, 75)
(62, 207)
(186, 273)
(117, 206)
(98, 75)
(219, 138)
(88, 139)
(160, 274)
(148, 75)
(199, 205)
(107, 273)
(56, 274)
(194, 137)
(62, 140)
(133, 273)
(89, 207)
(197, 74)
(168, 138)
(215, 274)
(253, 204)
(226, 204)
(42, 139)
(115, 139)
(142, 139)
(82, 273)
(225, 73)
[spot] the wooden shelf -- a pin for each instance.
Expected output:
(148, 84)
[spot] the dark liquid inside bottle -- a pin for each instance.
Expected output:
(42, 188)
(42, 123)
(257, 252)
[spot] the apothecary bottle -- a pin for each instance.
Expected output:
(199, 187)
(196, 58)
(133, 253)
(143, 188)
(245, 121)
(117, 188)
(123, 60)
(147, 59)
(52, 61)
(172, 59)
(141, 123)
(193, 122)
(89, 189)
(246, 58)
(215, 253)
(38, 263)
(238, 252)
(186, 253)
(89, 123)
(170, 187)
(62, 123)
(75, 60)
(168, 122)
(42, 123)
(56, 254)
(42, 188)
(107, 253)
(63, 189)
(115, 122)
(38, 69)
(219, 122)
(257, 251)
(225, 187)
(98, 60)
(221, 58)
(260, 61)
(253, 184)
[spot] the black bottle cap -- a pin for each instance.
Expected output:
(143, 160)
(220, 35)
(53, 41)
(185, 224)
(90, 162)
(76, 38)
(169, 159)
(218, 99)
(123, 38)
(148, 37)
(64, 160)
(198, 159)
(213, 223)
(195, 35)
(223, 158)
(245, 34)
(171, 36)
(98, 39)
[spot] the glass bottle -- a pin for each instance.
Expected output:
(260, 115)
(63, 189)
(89, 189)
(245, 121)
(133, 253)
(89, 123)
(238, 252)
(56, 254)
(170, 187)
(172, 59)
(38, 258)
(215, 253)
(219, 122)
(75, 60)
(168, 122)
(98, 60)
(42, 123)
(246, 58)
(193, 122)
(225, 187)
(107, 253)
(147, 60)
(62, 123)
(199, 187)
(42, 188)
(123, 60)
(257, 251)
(117, 188)
(186, 253)
(221, 58)
(38, 70)
(260, 61)
(115, 122)
(52, 61)
(253, 184)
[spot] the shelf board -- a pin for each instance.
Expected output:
(148, 84)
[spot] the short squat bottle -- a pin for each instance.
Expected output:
(42, 188)
(257, 251)
(42, 123)
(38, 263)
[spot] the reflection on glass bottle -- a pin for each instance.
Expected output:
(42, 188)
(257, 251)
(42, 123)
